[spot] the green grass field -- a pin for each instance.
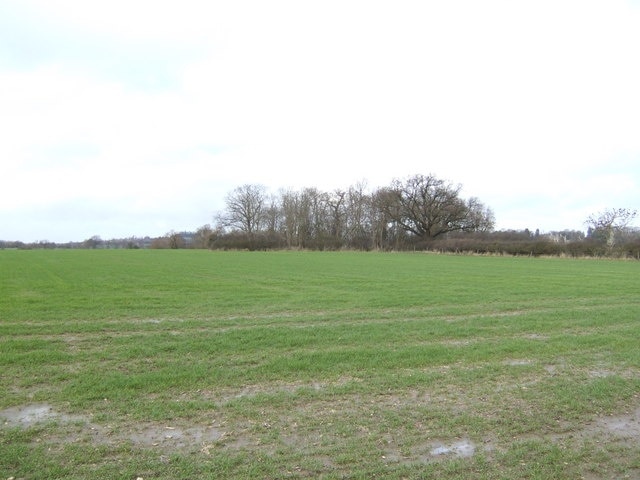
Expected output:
(195, 364)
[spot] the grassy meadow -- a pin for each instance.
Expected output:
(160, 364)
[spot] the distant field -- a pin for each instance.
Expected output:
(194, 364)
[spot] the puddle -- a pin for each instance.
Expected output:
(463, 449)
(625, 426)
(428, 453)
(30, 414)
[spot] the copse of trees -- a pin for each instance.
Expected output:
(407, 214)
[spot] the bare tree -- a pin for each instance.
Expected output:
(290, 222)
(335, 203)
(272, 215)
(428, 207)
(480, 218)
(609, 223)
(313, 218)
(245, 209)
(385, 210)
(359, 217)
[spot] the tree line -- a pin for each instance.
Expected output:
(421, 212)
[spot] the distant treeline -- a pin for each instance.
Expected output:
(504, 242)
(420, 212)
(571, 243)
(90, 243)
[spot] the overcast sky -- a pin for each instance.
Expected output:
(133, 118)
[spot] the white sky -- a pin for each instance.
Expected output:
(128, 117)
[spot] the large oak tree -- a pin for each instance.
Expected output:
(428, 207)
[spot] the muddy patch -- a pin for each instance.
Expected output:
(625, 427)
(27, 415)
(433, 451)
(175, 437)
(217, 435)
(464, 448)
(249, 392)
(622, 429)
(144, 435)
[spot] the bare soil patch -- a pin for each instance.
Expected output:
(146, 435)
(623, 429)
